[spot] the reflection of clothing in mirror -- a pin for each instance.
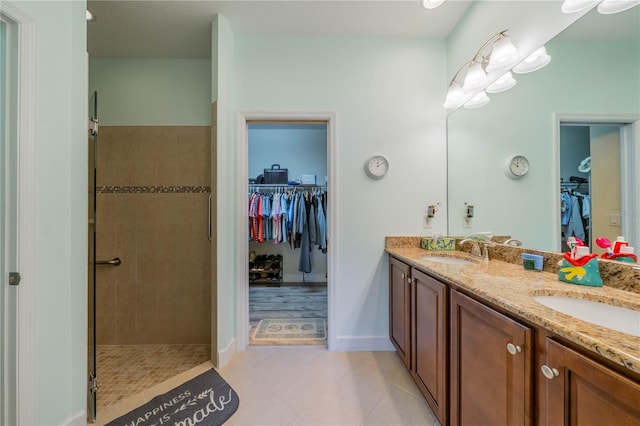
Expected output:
(575, 226)
(565, 208)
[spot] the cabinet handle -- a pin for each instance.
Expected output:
(408, 280)
(549, 372)
(513, 349)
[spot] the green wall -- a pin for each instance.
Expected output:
(162, 92)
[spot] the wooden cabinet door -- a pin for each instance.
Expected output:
(489, 384)
(400, 308)
(429, 338)
(581, 391)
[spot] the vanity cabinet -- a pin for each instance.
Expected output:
(418, 330)
(480, 365)
(400, 308)
(490, 366)
(429, 341)
(579, 391)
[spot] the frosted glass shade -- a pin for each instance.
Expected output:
(608, 7)
(431, 4)
(505, 82)
(533, 62)
(503, 55)
(475, 78)
(455, 96)
(571, 6)
(480, 99)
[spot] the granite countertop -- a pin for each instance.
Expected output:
(511, 287)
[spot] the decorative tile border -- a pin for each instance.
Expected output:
(153, 189)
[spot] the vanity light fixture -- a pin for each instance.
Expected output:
(505, 82)
(501, 57)
(431, 4)
(604, 6)
(533, 62)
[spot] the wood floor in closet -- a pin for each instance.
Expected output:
(291, 300)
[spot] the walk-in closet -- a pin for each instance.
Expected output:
(287, 228)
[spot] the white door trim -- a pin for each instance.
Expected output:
(242, 237)
(26, 350)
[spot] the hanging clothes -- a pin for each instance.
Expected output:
(304, 263)
(296, 217)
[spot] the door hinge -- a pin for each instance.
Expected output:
(14, 278)
(93, 126)
(93, 383)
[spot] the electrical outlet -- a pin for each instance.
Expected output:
(614, 220)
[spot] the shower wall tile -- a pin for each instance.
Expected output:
(161, 293)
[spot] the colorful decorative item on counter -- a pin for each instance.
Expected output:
(578, 266)
(438, 243)
(621, 251)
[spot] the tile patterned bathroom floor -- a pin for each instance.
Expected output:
(309, 385)
(126, 370)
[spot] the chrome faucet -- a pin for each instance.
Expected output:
(513, 242)
(475, 247)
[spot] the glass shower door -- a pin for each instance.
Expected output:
(92, 388)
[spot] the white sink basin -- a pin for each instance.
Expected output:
(449, 260)
(614, 317)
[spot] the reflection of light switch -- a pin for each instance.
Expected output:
(614, 220)
(469, 211)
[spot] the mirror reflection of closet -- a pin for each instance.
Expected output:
(590, 182)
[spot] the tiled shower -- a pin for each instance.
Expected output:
(152, 213)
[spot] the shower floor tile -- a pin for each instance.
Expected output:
(126, 370)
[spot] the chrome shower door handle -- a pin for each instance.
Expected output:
(209, 219)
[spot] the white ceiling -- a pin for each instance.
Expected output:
(182, 29)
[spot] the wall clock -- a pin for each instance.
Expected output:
(517, 166)
(376, 167)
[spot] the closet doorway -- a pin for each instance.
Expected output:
(287, 209)
(597, 180)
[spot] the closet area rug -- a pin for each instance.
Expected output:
(302, 329)
(205, 400)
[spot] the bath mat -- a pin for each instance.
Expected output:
(291, 328)
(205, 400)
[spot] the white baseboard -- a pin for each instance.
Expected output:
(225, 355)
(78, 419)
(308, 278)
(361, 344)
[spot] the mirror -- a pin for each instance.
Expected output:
(593, 76)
